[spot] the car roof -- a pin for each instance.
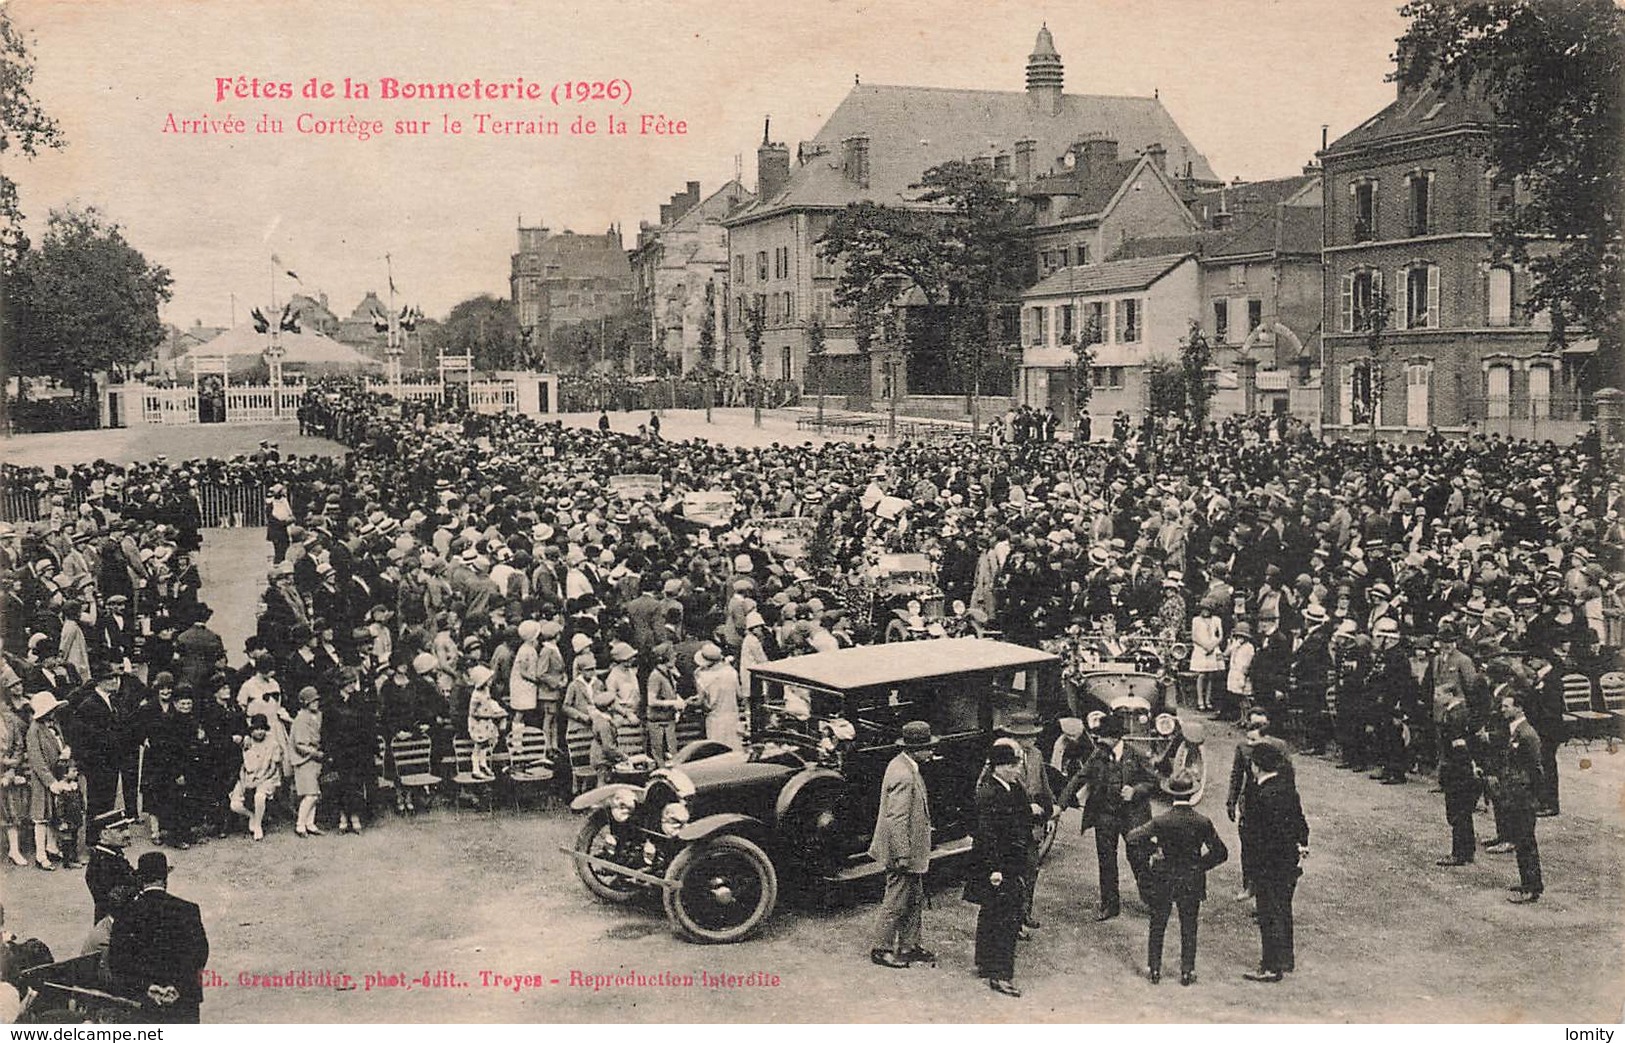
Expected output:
(905, 563)
(871, 666)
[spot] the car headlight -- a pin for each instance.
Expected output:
(622, 804)
(1094, 719)
(1165, 724)
(673, 817)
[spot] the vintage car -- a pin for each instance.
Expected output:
(882, 599)
(717, 832)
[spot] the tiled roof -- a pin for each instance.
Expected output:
(1424, 110)
(1110, 277)
(1287, 229)
(911, 129)
(1255, 195)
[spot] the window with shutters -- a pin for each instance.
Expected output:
(1540, 391)
(1360, 300)
(1082, 253)
(761, 266)
(1498, 391)
(739, 267)
(1255, 314)
(1419, 202)
(1221, 321)
(1066, 323)
(1418, 392)
(1130, 320)
(786, 357)
(1094, 320)
(1421, 297)
(1365, 210)
(1064, 257)
(1499, 290)
(789, 306)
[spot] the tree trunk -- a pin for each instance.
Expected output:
(710, 396)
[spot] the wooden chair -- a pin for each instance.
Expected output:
(1612, 687)
(414, 768)
(528, 762)
(578, 743)
(463, 777)
(630, 739)
(1584, 721)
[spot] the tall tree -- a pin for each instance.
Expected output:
(84, 301)
(817, 355)
(984, 252)
(1195, 355)
(486, 327)
(708, 346)
(1083, 365)
(755, 325)
(26, 129)
(1552, 71)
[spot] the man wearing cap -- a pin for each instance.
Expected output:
(664, 704)
(1001, 853)
(1116, 783)
(1183, 847)
(626, 695)
(159, 947)
(902, 844)
(108, 867)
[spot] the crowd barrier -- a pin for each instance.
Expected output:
(222, 505)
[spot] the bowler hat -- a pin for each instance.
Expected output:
(1003, 753)
(1021, 724)
(917, 736)
(1111, 727)
(152, 868)
(1182, 784)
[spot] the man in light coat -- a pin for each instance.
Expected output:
(902, 844)
(717, 692)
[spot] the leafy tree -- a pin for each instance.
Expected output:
(755, 324)
(25, 128)
(84, 301)
(1164, 385)
(485, 327)
(1373, 320)
(708, 346)
(882, 251)
(817, 355)
(1552, 72)
(1195, 355)
(1083, 365)
(984, 251)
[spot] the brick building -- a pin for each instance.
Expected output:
(877, 143)
(1423, 325)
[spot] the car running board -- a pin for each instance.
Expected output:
(873, 868)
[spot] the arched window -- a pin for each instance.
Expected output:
(1500, 296)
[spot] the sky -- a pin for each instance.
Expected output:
(1249, 81)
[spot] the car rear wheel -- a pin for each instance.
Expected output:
(721, 890)
(597, 838)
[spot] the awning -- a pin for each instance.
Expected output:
(1587, 346)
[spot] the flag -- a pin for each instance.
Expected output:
(275, 259)
(295, 277)
(392, 284)
(261, 323)
(380, 322)
(409, 320)
(290, 319)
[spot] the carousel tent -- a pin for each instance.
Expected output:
(299, 350)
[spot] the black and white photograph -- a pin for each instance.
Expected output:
(947, 512)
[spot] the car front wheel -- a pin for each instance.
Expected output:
(721, 890)
(597, 837)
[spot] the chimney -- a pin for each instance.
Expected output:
(1024, 160)
(772, 166)
(1222, 218)
(1159, 156)
(855, 159)
(1093, 155)
(1045, 74)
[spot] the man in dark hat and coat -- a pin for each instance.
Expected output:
(1116, 784)
(159, 947)
(1000, 855)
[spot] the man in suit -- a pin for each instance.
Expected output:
(1516, 792)
(1278, 829)
(995, 879)
(1243, 786)
(200, 650)
(1460, 776)
(109, 868)
(102, 739)
(902, 843)
(1022, 731)
(1184, 846)
(159, 948)
(1116, 782)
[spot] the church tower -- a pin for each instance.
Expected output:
(1044, 74)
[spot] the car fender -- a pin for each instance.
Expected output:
(1194, 732)
(598, 794)
(712, 825)
(799, 782)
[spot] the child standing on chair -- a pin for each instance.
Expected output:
(484, 715)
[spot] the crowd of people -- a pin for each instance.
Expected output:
(461, 576)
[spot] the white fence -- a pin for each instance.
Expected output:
(138, 404)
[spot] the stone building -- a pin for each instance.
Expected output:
(561, 278)
(874, 146)
(673, 262)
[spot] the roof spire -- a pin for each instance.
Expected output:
(1044, 70)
